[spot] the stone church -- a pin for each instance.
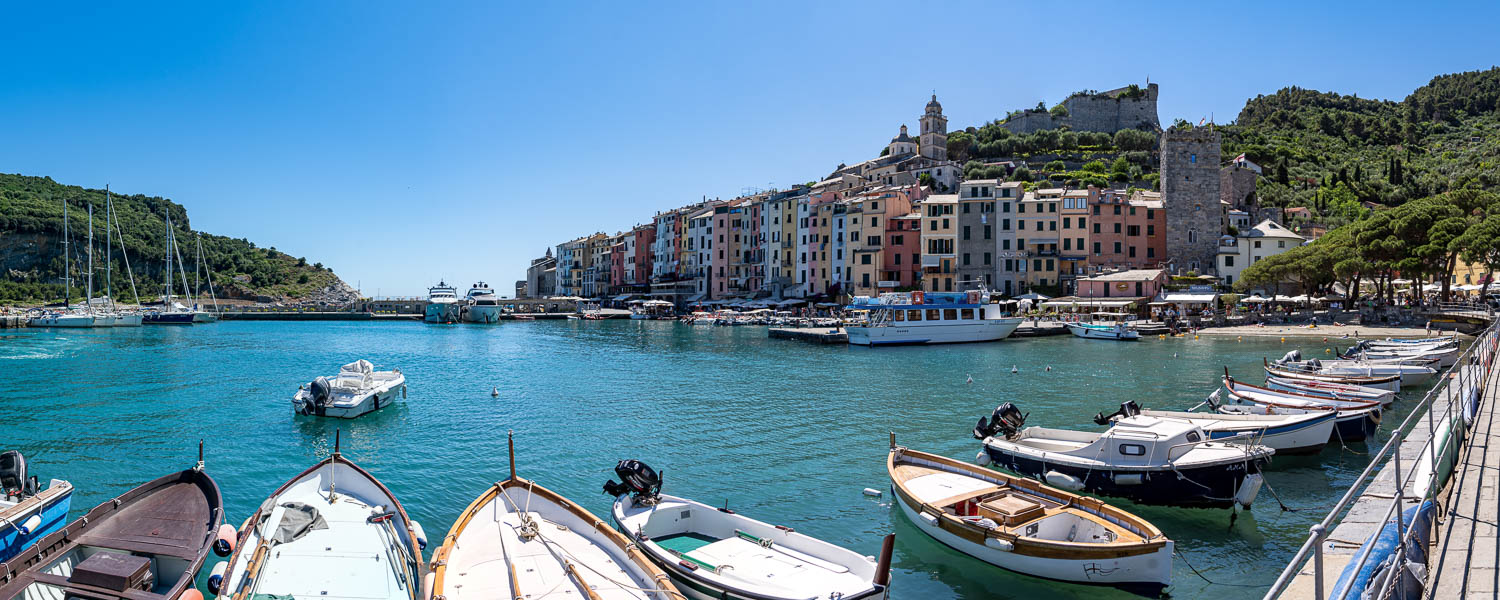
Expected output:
(906, 159)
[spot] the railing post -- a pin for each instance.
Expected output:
(1318, 532)
(1400, 488)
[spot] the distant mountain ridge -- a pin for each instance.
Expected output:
(31, 260)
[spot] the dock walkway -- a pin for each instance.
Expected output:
(1465, 560)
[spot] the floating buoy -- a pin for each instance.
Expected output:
(495, 392)
(1327, 350)
(191, 594)
(872, 492)
(1174, 355)
(1283, 340)
(1239, 338)
(1049, 367)
(224, 544)
(1013, 369)
(968, 379)
(1195, 336)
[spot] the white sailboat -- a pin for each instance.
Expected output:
(200, 315)
(123, 318)
(171, 313)
(67, 317)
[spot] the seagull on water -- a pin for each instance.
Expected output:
(968, 379)
(1013, 369)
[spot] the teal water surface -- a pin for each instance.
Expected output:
(785, 432)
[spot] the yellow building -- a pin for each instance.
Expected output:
(1037, 233)
(939, 225)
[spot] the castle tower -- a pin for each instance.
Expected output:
(1190, 196)
(934, 138)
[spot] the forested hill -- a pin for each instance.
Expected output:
(1330, 152)
(31, 260)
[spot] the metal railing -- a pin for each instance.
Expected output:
(1468, 381)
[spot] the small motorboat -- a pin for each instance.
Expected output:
(1337, 390)
(1357, 419)
(1390, 383)
(1411, 374)
(1445, 352)
(28, 512)
(333, 531)
(1021, 525)
(1286, 434)
(521, 540)
(1149, 460)
(1106, 326)
(149, 542)
(714, 553)
(357, 389)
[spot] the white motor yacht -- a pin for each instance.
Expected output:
(480, 304)
(357, 389)
(442, 304)
(931, 318)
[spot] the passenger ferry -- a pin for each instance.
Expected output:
(931, 318)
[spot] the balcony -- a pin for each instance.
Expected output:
(934, 260)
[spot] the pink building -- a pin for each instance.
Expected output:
(1140, 283)
(901, 260)
(616, 268)
(645, 240)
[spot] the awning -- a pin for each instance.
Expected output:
(1032, 296)
(1094, 303)
(791, 302)
(1254, 300)
(694, 298)
(623, 297)
(1190, 298)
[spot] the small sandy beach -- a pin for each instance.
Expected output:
(1322, 331)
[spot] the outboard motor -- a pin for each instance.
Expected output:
(1314, 364)
(639, 480)
(319, 390)
(1006, 419)
(1128, 409)
(13, 480)
(1291, 357)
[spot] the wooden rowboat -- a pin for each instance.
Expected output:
(1027, 527)
(521, 540)
(147, 543)
(333, 531)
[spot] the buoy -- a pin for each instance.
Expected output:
(1283, 340)
(1195, 336)
(191, 594)
(872, 492)
(1174, 355)
(227, 536)
(495, 392)
(216, 578)
(1049, 367)
(969, 379)
(1013, 369)
(1239, 338)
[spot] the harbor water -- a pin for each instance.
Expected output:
(785, 432)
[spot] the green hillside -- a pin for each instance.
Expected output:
(31, 260)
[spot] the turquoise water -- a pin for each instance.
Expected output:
(786, 432)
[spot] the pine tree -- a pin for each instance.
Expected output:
(1281, 176)
(1358, 173)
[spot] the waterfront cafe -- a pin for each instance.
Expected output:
(1196, 300)
(1112, 305)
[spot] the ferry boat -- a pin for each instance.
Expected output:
(442, 304)
(931, 318)
(652, 309)
(28, 512)
(480, 304)
(1106, 326)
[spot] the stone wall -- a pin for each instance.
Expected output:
(1108, 114)
(1190, 195)
(1235, 184)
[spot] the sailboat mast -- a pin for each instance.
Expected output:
(197, 265)
(108, 239)
(88, 301)
(126, 257)
(67, 266)
(167, 298)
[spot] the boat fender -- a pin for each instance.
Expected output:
(427, 581)
(982, 459)
(982, 522)
(29, 525)
(1063, 480)
(216, 577)
(224, 544)
(191, 594)
(1128, 479)
(421, 535)
(999, 544)
(1248, 490)
(872, 492)
(929, 519)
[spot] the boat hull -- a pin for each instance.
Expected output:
(1211, 486)
(168, 319)
(62, 321)
(128, 320)
(485, 313)
(988, 330)
(302, 404)
(51, 505)
(204, 317)
(1094, 333)
(441, 312)
(1305, 437)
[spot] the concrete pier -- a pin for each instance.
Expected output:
(817, 335)
(1464, 562)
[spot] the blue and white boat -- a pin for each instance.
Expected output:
(442, 304)
(930, 318)
(28, 512)
(1305, 433)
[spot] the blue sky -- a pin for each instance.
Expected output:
(402, 142)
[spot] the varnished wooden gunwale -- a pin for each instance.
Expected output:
(1152, 539)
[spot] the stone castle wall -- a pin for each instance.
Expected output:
(1094, 113)
(1190, 196)
(1236, 183)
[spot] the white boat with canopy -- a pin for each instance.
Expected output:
(930, 318)
(521, 540)
(1106, 326)
(357, 389)
(333, 531)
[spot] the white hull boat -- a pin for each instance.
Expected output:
(1090, 331)
(1390, 383)
(480, 305)
(1286, 434)
(1336, 390)
(1356, 420)
(27, 511)
(903, 318)
(521, 540)
(1146, 459)
(716, 554)
(442, 304)
(62, 320)
(1411, 374)
(128, 320)
(1024, 526)
(333, 531)
(357, 389)
(482, 314)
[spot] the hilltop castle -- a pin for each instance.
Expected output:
(1129, 107)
